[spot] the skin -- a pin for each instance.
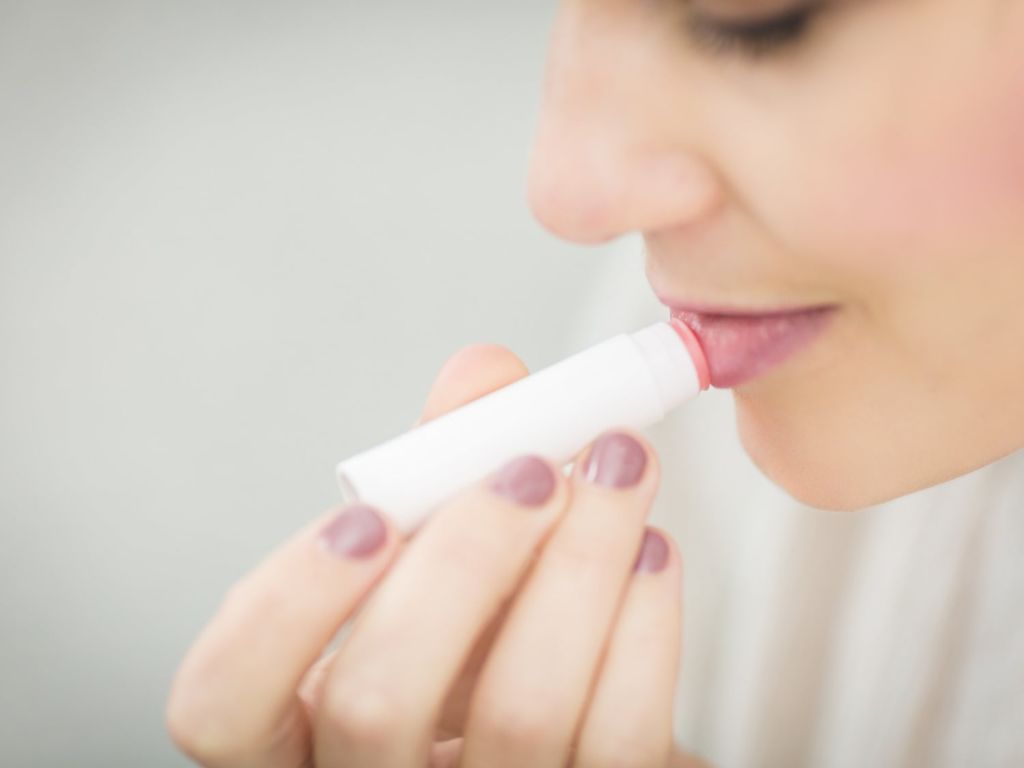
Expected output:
(890, 185)
(554, 654)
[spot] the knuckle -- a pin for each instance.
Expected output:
(181, 726)
(201, 737)
(181, 717)
(475, 556)
(200, 721)
(582, 551)
(361, 713)
(622, 754)
(506, 725)
(626, 745)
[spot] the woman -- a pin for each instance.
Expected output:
(831, 193)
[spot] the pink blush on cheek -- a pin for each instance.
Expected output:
(943, 162)
(989, 141)
(1011, 136)
(940, 182)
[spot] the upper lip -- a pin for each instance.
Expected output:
(707, 308)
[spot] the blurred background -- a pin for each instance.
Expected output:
(238, 240)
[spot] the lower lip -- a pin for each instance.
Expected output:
(742, 347)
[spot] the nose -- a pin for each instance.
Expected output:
(613, 152)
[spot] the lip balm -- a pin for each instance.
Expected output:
(630, 380)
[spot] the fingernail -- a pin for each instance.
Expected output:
(653, 553)
(527, 480)
(357, 531)
(616, 460)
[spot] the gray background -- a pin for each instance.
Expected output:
(237, 242)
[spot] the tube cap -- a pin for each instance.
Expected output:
(700, 361)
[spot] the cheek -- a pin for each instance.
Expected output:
(937, 181)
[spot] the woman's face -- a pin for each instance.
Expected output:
(867, 154)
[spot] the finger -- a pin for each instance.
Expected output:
(455, 709)
(629, 719)
(469, 374)
(533, 689)
(197, 703)
(682, 759)
(445, 754)
(313, 682)
(456, 704)
(233, 701)
(385, 688)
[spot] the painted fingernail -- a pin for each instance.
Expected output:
(357, 532)
(527, 480)
(616, 460)
(653, 554)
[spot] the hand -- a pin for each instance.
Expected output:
(501, 634)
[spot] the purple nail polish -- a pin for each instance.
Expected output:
(653, 554)
(616, 460)
(357, 531)
(527, 480)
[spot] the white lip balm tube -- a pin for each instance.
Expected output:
(631, 380)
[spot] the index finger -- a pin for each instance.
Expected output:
(234, 696)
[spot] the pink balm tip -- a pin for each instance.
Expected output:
(700, 362)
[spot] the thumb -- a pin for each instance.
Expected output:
(469, 374)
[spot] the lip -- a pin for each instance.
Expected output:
(742, 344)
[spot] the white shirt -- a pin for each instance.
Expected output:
(893, 636)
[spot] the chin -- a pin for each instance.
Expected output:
(837, 476)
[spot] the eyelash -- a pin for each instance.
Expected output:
(753, 38)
